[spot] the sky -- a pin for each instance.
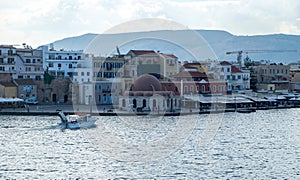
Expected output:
(44, 21)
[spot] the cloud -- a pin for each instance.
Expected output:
(38, 22)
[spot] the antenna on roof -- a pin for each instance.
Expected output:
(118, 51)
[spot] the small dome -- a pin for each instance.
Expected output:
(147, 82)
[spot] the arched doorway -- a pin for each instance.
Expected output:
(54, 98)
(65, 98)
(134, 103)
(154, 103)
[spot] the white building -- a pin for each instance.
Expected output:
(21, 63)
(7, 59)
(83, 81)
(236, 79)
(29, 64)
(61, 63)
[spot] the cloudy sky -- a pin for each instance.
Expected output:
(40, 22)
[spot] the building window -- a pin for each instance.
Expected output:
(82, 73)
(228, 77)
(239, 76)
(215, 88)
(27, 60)
(123, 103)
(10, 52)
(104, 99)
(10, 60)
(203, 88)
(70, 66)
(59, 65)
(50, 64)
(228, 69)
(99, 98)
(220, 88)
(192, 88)
(185, 89)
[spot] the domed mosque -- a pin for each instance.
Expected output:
(148, 94)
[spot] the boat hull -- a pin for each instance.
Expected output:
(81, 125)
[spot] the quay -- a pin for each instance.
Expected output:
(190, 105)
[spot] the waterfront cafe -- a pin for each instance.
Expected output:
(11, 102)
(216, 102)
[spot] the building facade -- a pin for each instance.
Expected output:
(7, 60)
(237, 79)
(272, 77)
(61, 63)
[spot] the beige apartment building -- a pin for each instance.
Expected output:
(273, 77)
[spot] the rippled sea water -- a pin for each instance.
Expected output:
(260, 145)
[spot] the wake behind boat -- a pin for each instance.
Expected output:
(76, 121)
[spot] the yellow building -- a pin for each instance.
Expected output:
(201, 67)
(8, 89)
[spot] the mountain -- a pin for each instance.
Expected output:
(189, 45)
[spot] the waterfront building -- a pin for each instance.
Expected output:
(272, 77)
(193, 82)
(201, 67)
(82, 84)
(107, 75)
(148, 93)
(61, 63)
(29, 64)
(20, 63)
(139, 62)
(295, 77)
(8, 90)
(237, 79)
(7, 61)
(27, 88)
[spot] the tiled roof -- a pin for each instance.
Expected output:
(190, 74)
(142, 52)
(225, 63)
(8, 84)
(7, 46)
(25, 82)
(169, 56)
(235, 69)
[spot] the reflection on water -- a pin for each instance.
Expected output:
(265, 145)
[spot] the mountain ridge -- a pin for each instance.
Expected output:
(220, 42)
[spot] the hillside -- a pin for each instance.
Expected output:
(219, 41)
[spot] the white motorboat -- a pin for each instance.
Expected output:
(76, 121)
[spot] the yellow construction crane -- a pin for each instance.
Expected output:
(239, 53)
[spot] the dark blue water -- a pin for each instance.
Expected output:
(260, 145)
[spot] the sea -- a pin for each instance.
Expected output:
(260, 145)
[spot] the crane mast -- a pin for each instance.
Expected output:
(240, 52)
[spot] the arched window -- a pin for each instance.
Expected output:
(203, 88)
(123, 103)
(154, 103)
(134, 103)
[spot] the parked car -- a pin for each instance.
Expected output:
(31, 101)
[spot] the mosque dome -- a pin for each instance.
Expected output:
(147, 82)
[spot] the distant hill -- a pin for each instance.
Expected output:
(219, 41)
